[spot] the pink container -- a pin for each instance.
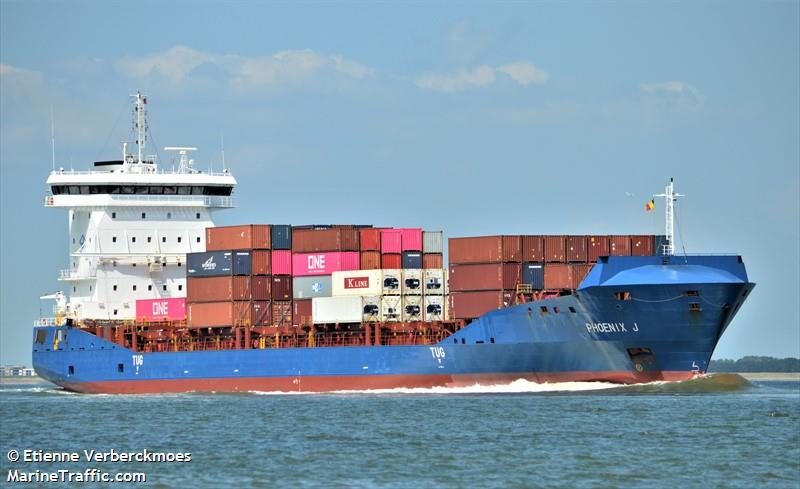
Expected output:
(161, 309)
(305, 264)
(411, 239)
(391, 241)
(281, 262)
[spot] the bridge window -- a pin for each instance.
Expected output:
(127, 189)
(141, 190)
(157, 189)
(184, 190)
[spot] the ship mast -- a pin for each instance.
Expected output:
(141, 125)
(670, 197)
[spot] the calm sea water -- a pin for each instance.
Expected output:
(717, 432)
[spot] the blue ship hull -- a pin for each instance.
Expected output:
(633, 319)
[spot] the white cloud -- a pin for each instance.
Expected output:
(521, 72)
(12, 74)
(679, 91)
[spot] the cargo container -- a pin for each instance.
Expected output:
(229, 313)
(392, 281)
(305, 264)
(242, 263)
(619, 246)
(433, 242)
(282, 289)
(391, 260)
(357, 282)
(370, 260)
(329, 310)
(281, 237)
(308, 287)
(512, 249)
(411, 240)
(209, 264)
(261, 264)
(260, 287)
(236, 288)
(533, 249)
(281, 313)
(433, 281)
(642, 245)
(371, 309)
(555, 249)
(557, 276)
(391, 308)
(412, 281)
(577, 250)
(370, 239)
(433, 308)
(485, 249)
(281, 262)
(165, 309)
(533, 275)
(432, 260)
(316, 240)
(412, 259)
(412, 308)
(301, 312)
(484, 276)
(659, 241)
(470, 305)
(391, 241)
(579, 272)
(245, 237)
(597, 246)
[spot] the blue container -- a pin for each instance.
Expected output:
(242, 263)
(412, 259)
(281, 237)
(209, 264)
(533, 274)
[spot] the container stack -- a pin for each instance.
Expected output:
(282, 286)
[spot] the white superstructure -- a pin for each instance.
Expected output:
(131, 225)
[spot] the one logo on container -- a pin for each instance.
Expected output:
(209, 264)
(356, 283)
(316, 262)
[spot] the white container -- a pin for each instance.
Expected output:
(432, 241)
(412, 281)
(412, 308)
(336, 309)
(371, 309)
(392, 282)
(433, 282)
(391, 308)
(434, 308)
(357, 282)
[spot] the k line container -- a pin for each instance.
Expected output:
(308, 287)
(346, 309)
(391, 308)
(391, 241)
(281, 237)
(433, 281)
(282, 288)
(370, 260)
(392, 281)
(209, 264)
(577, 250)
(357, 282)
(432, 260)
(412, 259)
(281, 262)
(166, 309)
(370, 239)
(281, 313)
(245, 237)
(412, 308)
(484, 276)
(305, 264)
(391, 260)
(620, 246)
(301, 312)
(471, 305)
(411, 239)
(371, 309)
(412, 282)
(533, 249)
(262, 262)
(642, 245)
(433, 242)
(434, 308)
(533, 275)
(597, 246)
(555, 250)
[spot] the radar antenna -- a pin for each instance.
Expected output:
(186, 165)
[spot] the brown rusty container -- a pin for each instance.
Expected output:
(301, 312)
(432, 260)
(314, 240)
(484, 276)
(245, 237)
(578, 273)
(371, 260)
(597, 246)
(533, 249)
(555, 249)
(577, 250)
(209, 289)
(261, 264)
(370, 239)
(619, 246)
(260, 313)
(281, 287)
(209, 314)
(642, 245)
(391, 261)
(281, 313)
(485, 249)
(512, 249)
(260, 288)
(557, 276)
(241, 288)
(470, 305)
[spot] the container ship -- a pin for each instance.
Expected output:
(158, 299)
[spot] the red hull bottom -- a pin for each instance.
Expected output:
(362, 382)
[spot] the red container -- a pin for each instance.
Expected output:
(161, 309)
(261, 262)
(391, 241)
(642, 245)
(557, 276)
(597, 246)
(391, 260)
(370, 260)
(281, 262)
(237, 313)
(281, 288)
(512, 248)
(209, 289)
(246, 237)
(432, 260)
(555, 249)
(301, 312)
(411, 239)
(533, 249)
(579, 272)
(577, 249)
(260, 288)
(619, 246)
(282, 313)
(255, 313)
(306, 264)
(482, 249)
(470, 305)
(370, 239)
(485, 276)
(314, 240)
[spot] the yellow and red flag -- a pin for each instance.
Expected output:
(650, 205)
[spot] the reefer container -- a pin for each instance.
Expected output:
(554, 249)
(168, 309)
(357, 282)
(282, 288)
(308, 287)
(412, 282)
(391, 241)
(281, 262)
(304, 264)
(470, 305)
(346, 309)
(371, 309)
(316, 240)
(392, 281)
(557, 276)
(485, 249)
(281, 313)
(411, 239)
(642, 245)
(301, 312)
(242, 263)
(533, 275)
(597, 246)
(370, 260)
(433, 308)
(391, 260)
(577, 251)
(412, 259)
(533, 248)
(281, 237)
(412, 308)
(370, 239)
(261, 262)
(619, 246)
(433, 242)
(433, 281)
(209, 264)
(432, 260)
(391, 308)
(484, 276)
(245, 237)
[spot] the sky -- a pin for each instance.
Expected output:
(475, 118)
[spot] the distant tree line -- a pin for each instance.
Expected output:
(756, 364)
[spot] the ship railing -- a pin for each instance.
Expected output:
(62, 171)
(45, 322)
(200, 200)
(74, 275)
